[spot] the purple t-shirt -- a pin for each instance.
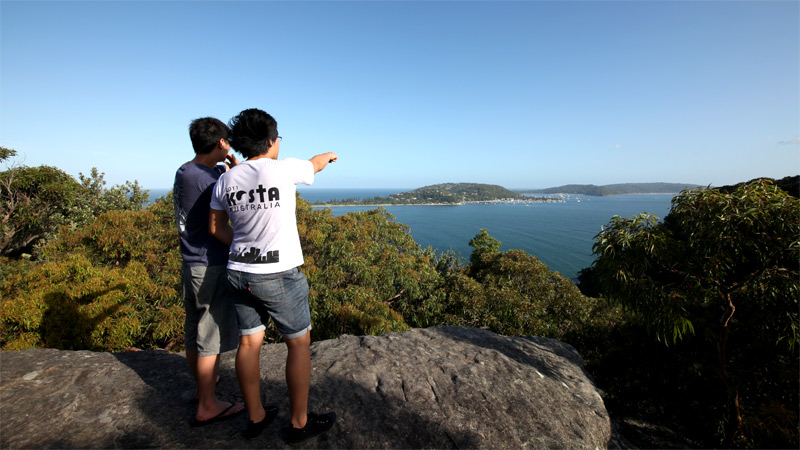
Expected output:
(194, 184)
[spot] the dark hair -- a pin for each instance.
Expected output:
(206, 133)
(252, 132)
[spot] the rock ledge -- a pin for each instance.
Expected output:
(440, 387)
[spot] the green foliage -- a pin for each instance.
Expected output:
(482, 245)
(366, 273)
(790, 185)
(513, 293)
(456, 193)
(33, 203)
(723, 265)
(97, 199)
(72, 304)
(6, 153)
(107, 286)
(120, 237)
(367, 276)
(713, 249)
(36, 201)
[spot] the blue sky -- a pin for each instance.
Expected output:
(524, 94)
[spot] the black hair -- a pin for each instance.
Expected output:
(206, 133)
(252, 132)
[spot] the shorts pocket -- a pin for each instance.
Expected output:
(271, 291)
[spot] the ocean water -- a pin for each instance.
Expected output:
(559, 234)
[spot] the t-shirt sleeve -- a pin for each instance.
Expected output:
(302, 170)
(217, 197)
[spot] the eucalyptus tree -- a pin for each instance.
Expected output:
(719, 260)
(36, 201)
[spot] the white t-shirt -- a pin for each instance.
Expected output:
(259, 197)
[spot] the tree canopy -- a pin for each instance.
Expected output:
(35, 201)
(720, 262)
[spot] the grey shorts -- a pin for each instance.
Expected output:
(210, 313)
(281, 296)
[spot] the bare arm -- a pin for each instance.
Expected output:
(219, 228)
(320, 161)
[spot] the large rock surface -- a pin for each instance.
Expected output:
(440, 387)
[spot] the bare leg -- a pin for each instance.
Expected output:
(208, 406)
(298, 377)
(191, 358)
(248, 370)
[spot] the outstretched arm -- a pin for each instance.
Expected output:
(219, 227)
(320, 161)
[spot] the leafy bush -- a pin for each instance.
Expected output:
(36, 201)
(111, 285)
(95, 198)
(71, 304)
(513, 293)
(366, 273)
(723, 266)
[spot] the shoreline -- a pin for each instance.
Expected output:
(476, 202)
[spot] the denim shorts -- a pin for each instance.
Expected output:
(281, 296)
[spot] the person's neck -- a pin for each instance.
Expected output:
(207, 160)
(268, 155)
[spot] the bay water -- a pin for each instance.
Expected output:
(559, 234)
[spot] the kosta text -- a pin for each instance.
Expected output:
(266, 198)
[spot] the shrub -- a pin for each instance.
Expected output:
(724, 266)
(111, 285)
(36, 201)
(513, 293)
(366, 273)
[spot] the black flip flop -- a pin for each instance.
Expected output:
(218, 418)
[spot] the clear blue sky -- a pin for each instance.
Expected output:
(519, 93)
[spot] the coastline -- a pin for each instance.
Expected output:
(476, 202)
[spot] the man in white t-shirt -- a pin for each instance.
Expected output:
(253, 211)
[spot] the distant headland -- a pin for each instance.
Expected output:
(614, 189)
(444, 194)
(463, 193)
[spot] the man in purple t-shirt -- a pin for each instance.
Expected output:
(211, 326)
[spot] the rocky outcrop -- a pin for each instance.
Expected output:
(441, 387)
